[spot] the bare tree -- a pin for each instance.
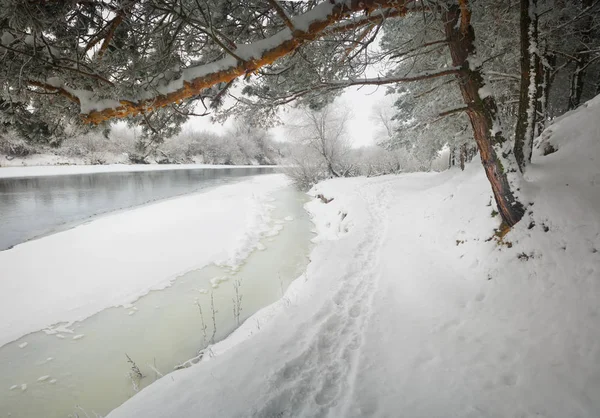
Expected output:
(325, 133)
(382, 116)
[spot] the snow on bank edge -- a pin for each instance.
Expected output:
(340, 232)
(112, 261)
(61, 170)
(485, 330)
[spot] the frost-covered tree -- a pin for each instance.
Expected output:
(324, 132)
(156, 62)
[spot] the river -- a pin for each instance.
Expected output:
(84, 370)
(31, 207)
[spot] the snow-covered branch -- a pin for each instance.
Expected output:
(308, 26)
(282, 14)
(452, 111)
(378, 81)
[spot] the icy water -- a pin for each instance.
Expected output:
(31, 207)
(85, 370)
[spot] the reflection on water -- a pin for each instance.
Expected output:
(87, 365)
(35, 206)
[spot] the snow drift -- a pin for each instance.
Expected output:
(410, 308)
(115, 259)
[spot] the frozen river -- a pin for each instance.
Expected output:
(31, 207)
(83, 369)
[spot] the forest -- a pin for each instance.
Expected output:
(468, 76)
(300, 208)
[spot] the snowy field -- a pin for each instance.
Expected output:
(55, 170)
(74, 274)
(409, 308)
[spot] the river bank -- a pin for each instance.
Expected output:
(85, 362)
(80, 168)
(410, 305)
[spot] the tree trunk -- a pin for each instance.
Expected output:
(530, 88)
(547, 79)
(581, 63)
(577, 81)
(482, 112)
(463, 156)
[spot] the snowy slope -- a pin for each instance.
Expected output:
(408, 309)
(71, 275)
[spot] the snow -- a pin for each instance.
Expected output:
(88, 101)
(474, 63)
(55, 82)
(6, 38)
(49, 170)
(484, 92)
(113, 260)
(216, 281)
(408, 305)
(319, 12)
(256, 49)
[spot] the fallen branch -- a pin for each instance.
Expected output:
(323, 198)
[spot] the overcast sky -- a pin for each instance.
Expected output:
(361, 128)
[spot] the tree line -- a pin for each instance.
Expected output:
(468, 74)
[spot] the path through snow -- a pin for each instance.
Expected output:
(409, 309)
(326, 347)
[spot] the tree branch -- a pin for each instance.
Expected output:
(341, 84)
(111, 32)
(282, 14)
(62, 67)
(257, 54)
(453, 111)
(375, 17)
(391, 80)
(52, 88)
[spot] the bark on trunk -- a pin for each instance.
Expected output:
(481, 112)
(530, 88)
(547, 80)
(581, 64)
(463, 156)
(577, 80)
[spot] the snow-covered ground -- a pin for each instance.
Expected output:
(113, 260)
(54, 170)
(408, 308)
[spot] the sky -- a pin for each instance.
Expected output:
(361, 127)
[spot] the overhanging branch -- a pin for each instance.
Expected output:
(342, 84)
(282, 14)
(257, 55)
(378, 81)
(58, 90)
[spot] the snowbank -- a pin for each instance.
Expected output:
(113, 260)
(408, 305)
(54, 170)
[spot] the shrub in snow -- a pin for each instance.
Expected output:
(13, 146)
